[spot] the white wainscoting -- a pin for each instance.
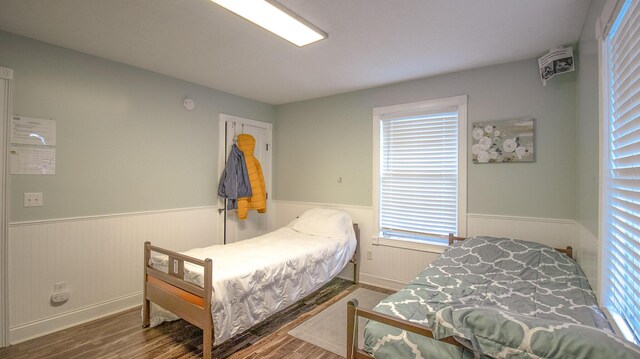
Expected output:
(588, 256)
(392, 267)
(100, 258)
(557, 233)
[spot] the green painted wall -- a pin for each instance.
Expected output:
(320, 140)
(124, 143)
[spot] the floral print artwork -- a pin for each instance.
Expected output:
(503, 141)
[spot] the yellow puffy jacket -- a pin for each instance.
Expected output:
(258, 201)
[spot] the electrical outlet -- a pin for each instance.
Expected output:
(369, 255)
(60, 297)
(59, 287)
(33, 199)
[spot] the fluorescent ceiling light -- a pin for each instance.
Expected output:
(276, 18)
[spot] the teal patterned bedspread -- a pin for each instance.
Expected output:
(501, 298)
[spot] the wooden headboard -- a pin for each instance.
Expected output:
(568, 250)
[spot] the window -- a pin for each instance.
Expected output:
(620, 270)
(420, 172)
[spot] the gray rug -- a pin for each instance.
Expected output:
(328, 329)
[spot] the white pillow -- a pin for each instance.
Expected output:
(324, 222)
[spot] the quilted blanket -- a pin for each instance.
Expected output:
(500, 298)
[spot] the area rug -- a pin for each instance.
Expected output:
(328, 329)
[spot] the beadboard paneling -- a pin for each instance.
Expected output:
(553, 232)
(99, 257)
(589, 250)
(393, 267)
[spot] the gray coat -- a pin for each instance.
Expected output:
(234, 182)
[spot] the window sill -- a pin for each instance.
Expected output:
(619, 325)
(409, 244)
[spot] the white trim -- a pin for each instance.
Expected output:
(517, 218)
(462, 165)
(408, 244)
(603, 93)
(224, 118)
(461, 103)
(105, 216)
(422, 105)
(56, 323)
(608, 16)
(603, 99)
(619, 326)
(5, 74)
(375, 187)
(246, 121)
(222, 139)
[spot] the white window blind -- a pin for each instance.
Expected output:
(419, 174)
(622, 180)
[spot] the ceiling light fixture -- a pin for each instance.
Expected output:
(276, 18)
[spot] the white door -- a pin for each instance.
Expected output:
(231, 228)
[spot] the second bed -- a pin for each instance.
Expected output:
(248, 280)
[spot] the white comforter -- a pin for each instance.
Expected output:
(255, 278)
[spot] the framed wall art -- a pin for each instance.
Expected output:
(503, 141)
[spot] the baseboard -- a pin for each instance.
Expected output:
(381, 282)
(62, 321)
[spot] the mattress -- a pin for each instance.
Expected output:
(255, 278)
(499, 297)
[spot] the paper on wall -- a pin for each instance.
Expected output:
(33, 160)
(557, 61)
(33, 131)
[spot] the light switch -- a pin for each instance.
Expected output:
(6, 73)
(33, 199)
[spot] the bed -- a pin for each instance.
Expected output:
(226, 289)
(490, 298)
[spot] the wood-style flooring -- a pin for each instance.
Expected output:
(122, 336)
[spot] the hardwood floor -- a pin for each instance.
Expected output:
(122, 336)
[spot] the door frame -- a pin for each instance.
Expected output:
(5, 118)
(222, 158)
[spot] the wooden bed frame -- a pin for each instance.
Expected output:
(353, 312)
(189, 301)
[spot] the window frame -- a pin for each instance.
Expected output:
(460, 102)
(604, 24)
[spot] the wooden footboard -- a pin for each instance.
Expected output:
(568, 250)
(353, 312)
(173, 293)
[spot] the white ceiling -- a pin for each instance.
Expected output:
(371, 42)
